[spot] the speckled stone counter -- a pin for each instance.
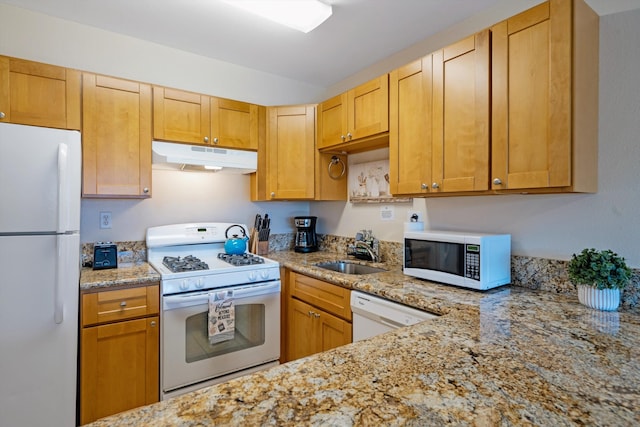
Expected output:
(127, 274)
(510, 356)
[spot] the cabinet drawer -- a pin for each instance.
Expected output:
(331, 298)
(120, 304)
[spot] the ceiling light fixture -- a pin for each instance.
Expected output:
(301, 15)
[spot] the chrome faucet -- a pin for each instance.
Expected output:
(374, 256)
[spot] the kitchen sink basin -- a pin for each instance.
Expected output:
(349, 267)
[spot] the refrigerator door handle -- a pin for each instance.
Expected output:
(63, 195)
(58, 303)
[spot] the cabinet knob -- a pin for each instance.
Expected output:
(153, 323)
(2, 115)
(145, 190)
(423, 186)
(343, 138)
(349, 136)
(273, 194)
(497, 181)
(435, 186)
(316, 315)
(215, 140)
(123, 304)
(206, 139)
(310, 313)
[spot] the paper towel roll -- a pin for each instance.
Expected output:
(414, 226)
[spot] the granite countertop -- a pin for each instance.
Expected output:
(509, 356)
(127, 274)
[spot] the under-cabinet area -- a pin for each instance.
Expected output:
(119, 350)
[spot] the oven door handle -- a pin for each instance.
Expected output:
(185, 300)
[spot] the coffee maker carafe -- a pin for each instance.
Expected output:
(306, 239)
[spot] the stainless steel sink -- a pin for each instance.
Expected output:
(349, 267)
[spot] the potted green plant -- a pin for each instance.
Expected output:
(599, 277)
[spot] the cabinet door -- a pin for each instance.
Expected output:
(531, 98)
(291, 145)
(301, 334)
(461, 116)
(116, 137)
(331, 331)
(368, 108)
(118, 367)
(312, 330)
(332, 121)
(180, 116)
(410, 98)
(38, 94)
(234, 124)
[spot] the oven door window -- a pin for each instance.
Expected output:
(249, 332)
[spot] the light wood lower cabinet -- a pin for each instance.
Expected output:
(119, 351)
(319, 316)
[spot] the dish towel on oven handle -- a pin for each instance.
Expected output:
(222, 317)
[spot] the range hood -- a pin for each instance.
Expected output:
(173, 156)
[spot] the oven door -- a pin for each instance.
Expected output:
(187, 355)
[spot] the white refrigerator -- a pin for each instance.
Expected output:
(39, 275)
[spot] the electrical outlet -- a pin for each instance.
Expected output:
(105, 219)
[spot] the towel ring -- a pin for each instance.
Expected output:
(335, 160)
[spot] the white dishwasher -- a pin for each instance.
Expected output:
(374, 315)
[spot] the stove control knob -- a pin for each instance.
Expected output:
(200, 283)
(264, 274)
(184, 285)
(252, 276)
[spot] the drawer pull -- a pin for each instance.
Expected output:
(123, 304)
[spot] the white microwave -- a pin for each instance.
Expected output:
(470, 260)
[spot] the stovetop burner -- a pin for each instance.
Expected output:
(244, 259)
(188, 263)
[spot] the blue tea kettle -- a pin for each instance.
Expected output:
(235, 245)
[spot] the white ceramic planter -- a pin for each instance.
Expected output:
(600, 299)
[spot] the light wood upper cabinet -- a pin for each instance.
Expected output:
(32, 93)
(332, 121)
(192, 118)
(545, 99)
(290, 152)
(461, 117)
(234, 124)
(410, 122)
(116, 137)
(181, 116)
(439, 121)
(358, 114)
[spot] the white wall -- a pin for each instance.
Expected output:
(37, 37)
(551, 226)
(180, 197)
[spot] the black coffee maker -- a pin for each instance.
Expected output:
(306, 238)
